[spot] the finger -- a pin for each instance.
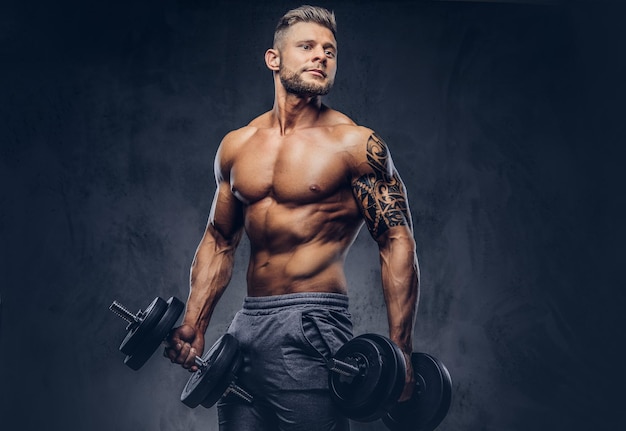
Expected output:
(190, 363)
(173, 345)
(183, 354)
(172, 350)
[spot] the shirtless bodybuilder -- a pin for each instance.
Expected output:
(300, 180)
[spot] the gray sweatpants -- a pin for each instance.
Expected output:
(286, 341)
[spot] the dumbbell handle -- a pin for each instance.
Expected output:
(239, 391)
(343, 368)
(125, 314)
(201, 363)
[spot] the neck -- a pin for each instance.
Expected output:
(291, 111)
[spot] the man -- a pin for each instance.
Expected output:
(301, 180)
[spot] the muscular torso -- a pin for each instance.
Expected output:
(299, 211)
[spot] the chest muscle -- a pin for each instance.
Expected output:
(292, 171)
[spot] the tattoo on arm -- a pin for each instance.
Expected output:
(380, 193)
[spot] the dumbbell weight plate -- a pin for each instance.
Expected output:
(360, 397)
(396, 375)
(209, 383)
(153, 339)
(137, 331)
(430, 401)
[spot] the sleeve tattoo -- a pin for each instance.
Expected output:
(380, 193)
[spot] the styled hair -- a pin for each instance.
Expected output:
(305, 13)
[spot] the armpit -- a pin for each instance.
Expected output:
(380, 193)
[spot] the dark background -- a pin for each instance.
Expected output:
(505, 121)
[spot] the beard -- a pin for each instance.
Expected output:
(294, 84)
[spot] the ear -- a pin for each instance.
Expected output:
(272, 59)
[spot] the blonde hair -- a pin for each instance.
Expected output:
(305, 13)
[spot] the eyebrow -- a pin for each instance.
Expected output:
(326, 45)
(330, 45)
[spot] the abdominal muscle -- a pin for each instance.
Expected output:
(308, 269)
(300, 248)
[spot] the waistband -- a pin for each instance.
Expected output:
(295, 299)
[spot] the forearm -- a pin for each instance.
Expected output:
(400, 280)
(210, 273)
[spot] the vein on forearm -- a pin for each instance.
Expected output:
(210, 273)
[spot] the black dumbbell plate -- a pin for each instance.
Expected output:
(395, 372)
(138, 331)
(357, 397)
(209, 383)
(151, 342)
(430, 401)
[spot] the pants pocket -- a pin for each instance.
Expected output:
(325, 331)
(317, 337)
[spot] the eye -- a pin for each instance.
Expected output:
(306, 47)
(330, 54)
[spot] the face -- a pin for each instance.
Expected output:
(308, 59)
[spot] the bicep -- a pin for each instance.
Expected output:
(379, 191)
(226, 217)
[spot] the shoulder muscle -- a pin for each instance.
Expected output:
(228, 149)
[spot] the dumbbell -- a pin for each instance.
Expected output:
(366, 375)
(217, 368)
(367, 378)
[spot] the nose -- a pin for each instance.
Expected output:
(319, 55)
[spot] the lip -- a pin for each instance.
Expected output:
(317, 72)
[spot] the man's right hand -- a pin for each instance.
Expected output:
(183, 345)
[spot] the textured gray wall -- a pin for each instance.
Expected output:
(505, 122)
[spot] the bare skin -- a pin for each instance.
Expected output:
(301, 180)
